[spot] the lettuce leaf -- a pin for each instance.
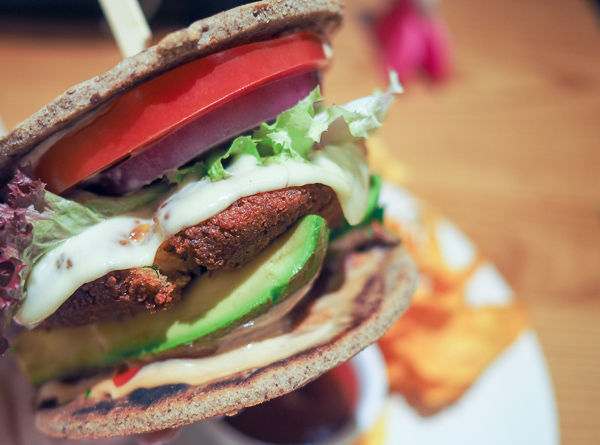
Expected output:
(23, 200)
(33, 221)
(295, 132)
(106, 206)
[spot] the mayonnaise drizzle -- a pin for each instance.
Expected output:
(126, 242)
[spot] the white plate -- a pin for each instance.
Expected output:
(513, 401)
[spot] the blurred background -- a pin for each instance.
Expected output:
(501, 134)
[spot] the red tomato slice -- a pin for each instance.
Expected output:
(199, 135)
(121, 378)
(167, 102)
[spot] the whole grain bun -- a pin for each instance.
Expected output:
(360, 295)
(253, 22)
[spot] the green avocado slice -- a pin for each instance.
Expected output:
(212, 305)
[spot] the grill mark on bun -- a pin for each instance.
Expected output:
(145, 397)
(100, 408)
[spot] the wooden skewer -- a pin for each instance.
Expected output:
(128, 25)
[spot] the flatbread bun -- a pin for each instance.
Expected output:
(359, 296)
(253, 22)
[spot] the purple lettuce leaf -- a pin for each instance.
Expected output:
(23, 202)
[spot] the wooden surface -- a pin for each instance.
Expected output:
(508, 148)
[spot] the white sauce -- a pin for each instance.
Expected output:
(344, 169)
(101, 248)
(126, 242)
(200, 371)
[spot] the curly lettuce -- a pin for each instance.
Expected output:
(296, 131)
(33, 221)
(23, 204)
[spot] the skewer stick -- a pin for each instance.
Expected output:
(128, 25)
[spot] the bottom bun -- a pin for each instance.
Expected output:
(355, 300)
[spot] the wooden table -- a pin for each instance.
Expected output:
(508, 148)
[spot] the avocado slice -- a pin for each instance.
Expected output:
(212, 305)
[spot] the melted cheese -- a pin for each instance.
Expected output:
(338, 167)
(126, 242)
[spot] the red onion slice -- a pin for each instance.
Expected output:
(205, 132)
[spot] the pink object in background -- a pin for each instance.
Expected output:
(415, 40)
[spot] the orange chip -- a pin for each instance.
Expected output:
(437, 350)
(422, 243)
(433, 361)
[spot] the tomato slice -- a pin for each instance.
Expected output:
(120, 378)
(167, 102)
(199, 135)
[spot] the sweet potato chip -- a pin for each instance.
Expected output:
(439, 348)
(434, 356)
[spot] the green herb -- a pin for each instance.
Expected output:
(154, 268)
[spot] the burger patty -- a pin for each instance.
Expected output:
(118, 292)
(226, 241)
(233, 237)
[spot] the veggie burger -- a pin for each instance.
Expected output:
(192, 232)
